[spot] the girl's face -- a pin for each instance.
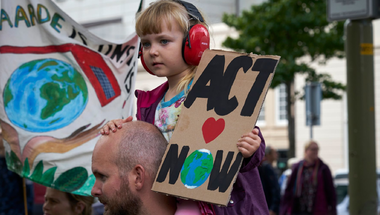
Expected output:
(163, 52)
(56, 203)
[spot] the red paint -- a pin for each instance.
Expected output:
(212, 128)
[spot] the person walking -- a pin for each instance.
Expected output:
(269, 180)
(310, 188)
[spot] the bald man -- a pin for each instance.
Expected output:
(125, 164)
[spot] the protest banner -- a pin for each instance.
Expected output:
(59, 84)
(202, 160)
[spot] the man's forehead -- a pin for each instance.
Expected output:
(108, 141)
(105, 148)
(103, 156)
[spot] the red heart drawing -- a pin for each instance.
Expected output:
(211, 129)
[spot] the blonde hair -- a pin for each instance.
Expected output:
(308, 143)
(150, 20)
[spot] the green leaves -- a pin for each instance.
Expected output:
(13, 162)
(48, 176)
(26, 169)
(69, 181)
(72, 179)
(37, 173)
(41, 177)
(293, 29)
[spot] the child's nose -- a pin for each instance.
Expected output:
(153, 50)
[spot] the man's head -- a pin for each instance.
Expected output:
(271, 154)
(125, 164)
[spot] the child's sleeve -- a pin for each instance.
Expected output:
(255, 160)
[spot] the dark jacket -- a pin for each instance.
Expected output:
(270, 185)
(247, 196)
(325, 197)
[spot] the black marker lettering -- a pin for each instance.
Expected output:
(222, 178)
(219, 89)
(265, 66)
(223, 105)
(73, 34)
(213, 73)
(174, 163)
(83, 38)
(118, 52)
(128, 84)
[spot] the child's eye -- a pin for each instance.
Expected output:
(146, 45)
(164, 42)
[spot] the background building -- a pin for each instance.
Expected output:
(114, 20)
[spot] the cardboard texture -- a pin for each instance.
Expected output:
(202, 160)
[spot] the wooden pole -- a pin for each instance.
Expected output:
(25, 199)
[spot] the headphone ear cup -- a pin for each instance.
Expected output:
(141, 55)
(197, 41)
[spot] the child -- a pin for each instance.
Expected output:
(163, 27)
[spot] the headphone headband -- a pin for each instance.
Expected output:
(192, 10)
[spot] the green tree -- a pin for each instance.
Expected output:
(295, 30)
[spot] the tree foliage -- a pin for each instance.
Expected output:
(295, 30)
(292, 29)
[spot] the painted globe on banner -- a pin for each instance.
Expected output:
(44, 95)
(196, 168)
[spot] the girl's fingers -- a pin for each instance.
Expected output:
(128, 119)
(113, 125)
(104, 130)
(245, 152)
(255, 131)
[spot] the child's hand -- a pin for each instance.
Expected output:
(113, 125)
(249, 143)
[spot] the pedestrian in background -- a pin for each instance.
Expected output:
(310, 189)
(61, 203)
(283, 180)
(269, 180)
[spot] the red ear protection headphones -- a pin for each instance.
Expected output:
(195, 42)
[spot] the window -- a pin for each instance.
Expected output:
(261, 117)
(281, 115)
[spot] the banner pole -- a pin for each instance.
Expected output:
(25, 199)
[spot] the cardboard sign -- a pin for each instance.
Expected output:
(202, 160)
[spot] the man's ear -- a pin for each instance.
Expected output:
(139, 176)
(79, 207)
